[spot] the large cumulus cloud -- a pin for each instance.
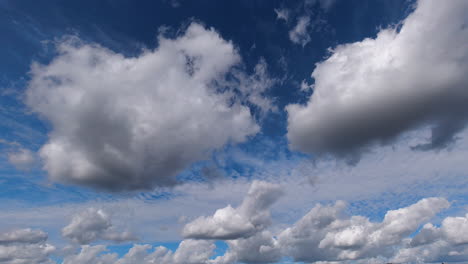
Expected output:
(127, 123)
(369, 92)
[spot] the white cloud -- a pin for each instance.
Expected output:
(305, 86)
(94, 224)
(27, 236)
(372, 91)
(126, 123)
(188, 252)
(91, 254)
(449, 242)
(324, 234)
(22, 158)
(299, 34)
(24, 246)
(282, 14)
(250, 217)
(260, 248)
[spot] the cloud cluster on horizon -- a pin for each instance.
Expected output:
(325, 233)
(372, 91)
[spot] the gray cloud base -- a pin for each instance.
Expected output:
(372, 91)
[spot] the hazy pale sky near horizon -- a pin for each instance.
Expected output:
(223, 132)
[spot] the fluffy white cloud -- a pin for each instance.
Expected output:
(372, 91)
(24, 246)
(22, 159)
(94, 224)
(324, 234)
(250, 217)
(126, 123)
(299, 34)
(188, 252)
(449, 242)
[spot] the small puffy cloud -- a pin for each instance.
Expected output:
(94, 224)
(299, 34)
(129, 123)
(370, 92)
(306, 86)
(22, 158)
(250, 217)
(24, 246)
(282, 14)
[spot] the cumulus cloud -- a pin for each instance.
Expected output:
(188, 252)
(94, 224)
(22, 158)
(24, 246)
(250, 217)
(449, 242)
(127, 123)
(327, 233)
(324, 234)
(370, 92)
(299, 34)
(259, 248)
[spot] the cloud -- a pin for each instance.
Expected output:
(188, 252)
(372, 91)
(91, 254)
(299, 34)
(324, 234)
(130, 123)
(26, 236)
(250, 217)
(91, 225)
(260, 248)
(449, 242)
(24, 246)
(282, 14)
(22, 159)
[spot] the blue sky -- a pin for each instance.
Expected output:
(177, 131)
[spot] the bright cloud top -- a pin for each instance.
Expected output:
(124, 123)
(250, 217)
(372, 91)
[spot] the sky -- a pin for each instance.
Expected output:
(223, 132)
